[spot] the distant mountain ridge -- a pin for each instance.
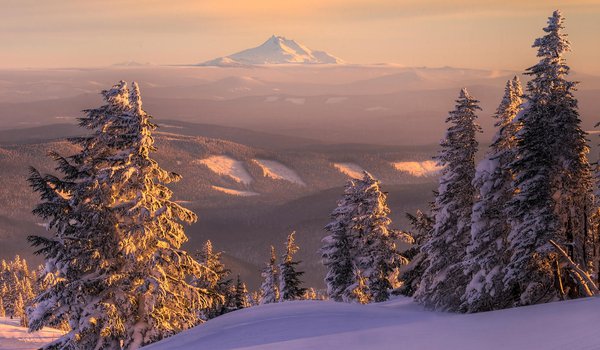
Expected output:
(276, 50)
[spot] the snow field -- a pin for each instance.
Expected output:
(397, 324)
(227, 166)
(15, 337)
(233, 192)
(278, 171)
(418, 169)
(350, 169)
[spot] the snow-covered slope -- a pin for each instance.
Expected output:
(418, 169)
(276, 50)
(233, 192)
(398, 324)
(13, 337)
(227, 166)
(278, 171)
(352, 170)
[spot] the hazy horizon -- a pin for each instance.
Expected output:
(465, 33)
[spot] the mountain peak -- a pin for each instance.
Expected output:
(276, 50)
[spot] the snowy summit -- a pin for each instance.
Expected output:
(276, 50)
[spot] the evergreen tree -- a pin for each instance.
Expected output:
(377, 256)
(16, 279)
(443, 282)
(422, 225)
(487, 253)
(289, 278)
(214, 279)
(240, 297)
(18, 309)
(338, 247)
(269, 289)
(361, 238)
(121, 278)
(311, 294)
(552, 179)
(359, 290)
(2, 310)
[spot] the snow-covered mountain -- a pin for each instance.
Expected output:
(276, 50)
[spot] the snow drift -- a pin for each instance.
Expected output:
(397, 324)
(13, 336)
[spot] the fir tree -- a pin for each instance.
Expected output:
(18, 309)
(422, 225)
(289, 278)
(339, 247)
(2, 310)
(214, 279)
(269, 289)
(361, 238)
(443, 282)
(552, 179)
(376, 255)
(121, 278)
(311, 294)
(240, 296)
(487, 253)
(359, 291)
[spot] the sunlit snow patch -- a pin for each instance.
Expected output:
(233, 192)
(352, 170)
(376, 109)
(419, 169)
(12, 336)
(333, 100)
(296, 100)
(227, 166)
(278, 171)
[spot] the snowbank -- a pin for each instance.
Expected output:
(13, 337)
(398, 324)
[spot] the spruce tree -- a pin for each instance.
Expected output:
(422, 225)
(487, 253)
(361, 239)
(240, 296)
(2, 310)
(269, 288)
(552, 179)
(339, 249)
(376, 255)
(359, 290)
(214, 279)
(289, 278)
(443, 282)
(121, 279)
(18, 309)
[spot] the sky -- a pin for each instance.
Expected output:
(486, 34)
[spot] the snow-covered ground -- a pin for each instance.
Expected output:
(278, 171)
(14, 337)
(419, 169)
(227, 166)
(233, 192)
(397, 324)
(354, 171)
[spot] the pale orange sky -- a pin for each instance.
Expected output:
(462, 33)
